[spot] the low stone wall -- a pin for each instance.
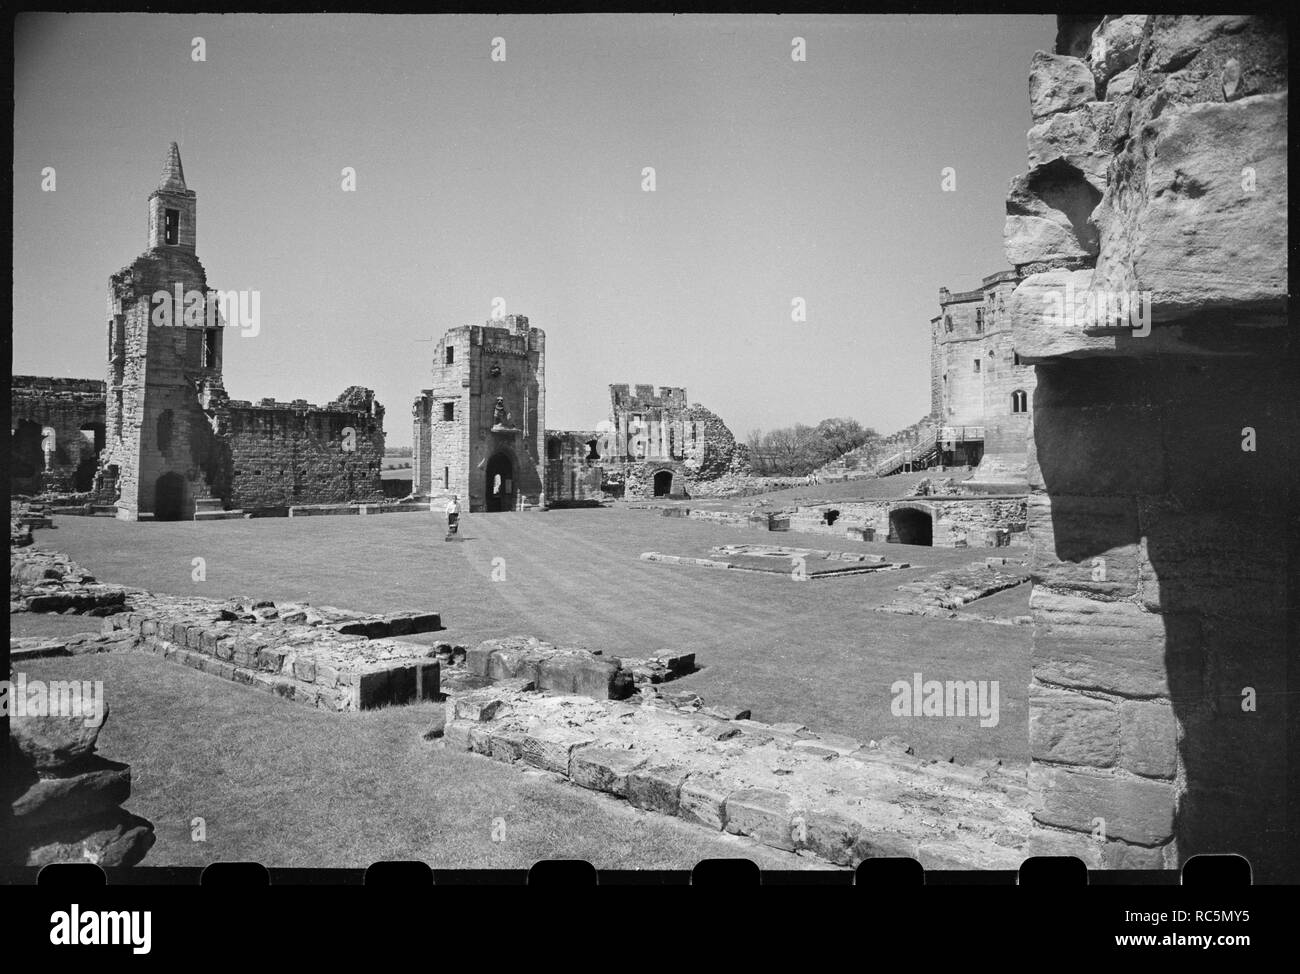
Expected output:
(322, 656)
(800, 564)
(572, 669)
(823, 795)
(308, 661)
(945, 593)
(64, 799)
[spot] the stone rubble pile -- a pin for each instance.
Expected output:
(49, 581)
(573, 669)
(65, 799)
(824, 795)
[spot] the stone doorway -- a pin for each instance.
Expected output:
(499, 484)
(910, 526)
(169, 497)
(663, 483)
(26, 456)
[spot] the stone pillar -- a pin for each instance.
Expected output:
(1158, 695)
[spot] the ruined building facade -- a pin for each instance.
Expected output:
(478, 428)
(981, 392)
(61, 418)
(479, 431)
(654, 444)
(1162, 457)
(169, 441)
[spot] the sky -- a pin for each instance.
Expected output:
(523, 179)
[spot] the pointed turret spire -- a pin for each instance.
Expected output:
(173, 175)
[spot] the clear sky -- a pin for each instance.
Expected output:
(522, 179)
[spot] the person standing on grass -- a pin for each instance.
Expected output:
(453, 514)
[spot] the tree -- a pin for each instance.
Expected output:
(843, 435)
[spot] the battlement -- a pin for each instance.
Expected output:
(642, 396)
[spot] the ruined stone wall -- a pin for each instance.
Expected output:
(956, 522)
(74, 409)
(575, 470)
(165, 391)
(284, 454)
(1161, 456)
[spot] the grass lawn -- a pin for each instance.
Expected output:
(284, 785)
(813, 652)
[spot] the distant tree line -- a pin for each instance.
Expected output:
(798, 450)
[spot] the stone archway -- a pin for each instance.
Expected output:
(911, 525)
(169, 497)
(499, 484)
(26, 458)
(663, 483)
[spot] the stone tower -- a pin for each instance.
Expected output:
(166, 401)
(479, 431)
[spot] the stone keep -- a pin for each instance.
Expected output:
(479, 429)
(1160, 458)
(165, 390)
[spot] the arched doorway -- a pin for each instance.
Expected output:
(499, 484)
(26, 457)
(663, 483)
(910, 526)
(92, 436)
(169, 497)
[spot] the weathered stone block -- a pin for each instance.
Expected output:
(1030, 238)
(550, 748)
(373, 689)
(1148, 738)
(456, 735)
(1071, 728)
(1055, 842)
(826, 834)
(1058, 83)
(1121, 855)
(476, 706)
(703, 800)
(1136, 810)
(1115, 44)
(304, 668)
(604, 768)
(507, 745)
(657, 787)
(1085, 543)
(100, 785)
(763, 814)
(270, 659)
(1081, 138)
(477, 659)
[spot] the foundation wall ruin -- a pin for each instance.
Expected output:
(1160, 456)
